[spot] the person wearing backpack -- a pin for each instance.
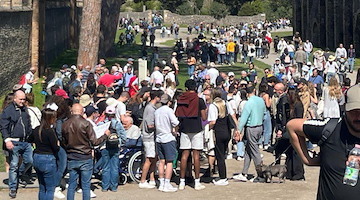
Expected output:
(111, 150)
(258, 42)
(336, 137)
(219, 120)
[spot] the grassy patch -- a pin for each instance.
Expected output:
(282, 34)
(169, 43)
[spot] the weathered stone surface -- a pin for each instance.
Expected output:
(170, 17)
(328, 22)
(15, 30)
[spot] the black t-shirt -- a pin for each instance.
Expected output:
(192, 124)
(48, 142)
(334, 154)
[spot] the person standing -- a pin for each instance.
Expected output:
(308, 47)
(351, 58)
(15, 128)
(218, 115)
(45, 153)
(165, 123)
(334, 151)
(191, 62)
(252, 117)
(190, 111)
(300, 58)
(148, 136)
(78, 139)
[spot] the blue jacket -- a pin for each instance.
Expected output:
(15, 122)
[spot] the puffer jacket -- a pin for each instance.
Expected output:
(15, 123)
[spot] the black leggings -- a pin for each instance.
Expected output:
(221, 143)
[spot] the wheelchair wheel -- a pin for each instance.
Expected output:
(122, 178)
(134, 167)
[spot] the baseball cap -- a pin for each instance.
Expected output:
(61, 93)
(89, 110)
(302, 80)
(165, 98)
(143, 90)
(277, 59)
(110, 110)
(17, 87)
(231, 74)
(352, 98)
(130, 60)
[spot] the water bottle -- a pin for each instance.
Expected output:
(352, 169)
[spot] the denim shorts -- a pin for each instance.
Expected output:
(166, 151)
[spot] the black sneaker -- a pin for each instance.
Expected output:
(12, 194)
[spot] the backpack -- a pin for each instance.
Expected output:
(22, 79)
(113, 139)
(65, 82)
(287, 59)
(257, 43)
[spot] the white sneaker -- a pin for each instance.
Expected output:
(169, 188)
(92, 194)
(146, 185)
(221, 182)
(58, 194)
(239, 158)
(79, 190)
(152, 183)
(161, 188)
(240, 177)
(198, 186)
(262, 155)
(261, 146)
(181, 186)
(229, 156)
(266, 146)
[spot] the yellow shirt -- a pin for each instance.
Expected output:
(231, 47)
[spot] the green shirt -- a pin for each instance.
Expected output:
(253, 112)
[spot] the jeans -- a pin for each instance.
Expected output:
(307, 56)
(81, 168)
(24, 149)
(45, 166)
(267, 129)
(191, 69)
(110, 173)
(329, 75)
(351, 62)
(61, 163)
(258, 52)
(231, 57)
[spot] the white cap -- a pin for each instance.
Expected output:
(231, 74)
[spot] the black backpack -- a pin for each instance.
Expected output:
(328, 130)
(257, 42)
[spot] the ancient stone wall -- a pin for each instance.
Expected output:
(15, 28)
(170, 17)
(328, 22)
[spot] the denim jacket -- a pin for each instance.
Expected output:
(115, 124)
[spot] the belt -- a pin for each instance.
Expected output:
(255, 126)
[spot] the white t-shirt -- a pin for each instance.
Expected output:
(213, 73)
(213, 112)
(156, 75)
(35, 116)
(120, 110)
(232, 103)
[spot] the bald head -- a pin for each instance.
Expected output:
(19, 98)
(77, 109)
(279, 88)
(127, 122)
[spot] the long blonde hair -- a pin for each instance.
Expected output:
(334, 88)
(219, 103)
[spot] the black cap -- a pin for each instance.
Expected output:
(89, 110)
(302, 80)
(143, 90)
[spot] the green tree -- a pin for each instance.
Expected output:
(254, 8)
(233, 5)
(218, 10)
(171, 5)
(186, 9)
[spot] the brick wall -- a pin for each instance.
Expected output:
(15, 28)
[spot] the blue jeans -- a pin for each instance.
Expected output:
(61, 163)
(110, 173)
(329, 75)
(45, 166)
(231, 57)
(351, 62)
(267, 129)
(83, 168)
(191, 69)
(24, 149)
(258, 52)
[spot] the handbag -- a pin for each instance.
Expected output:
(113, 141)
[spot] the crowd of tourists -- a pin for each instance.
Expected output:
(220, 115)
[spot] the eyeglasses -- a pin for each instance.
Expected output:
(207, 79)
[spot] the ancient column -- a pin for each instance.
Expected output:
(35, 36)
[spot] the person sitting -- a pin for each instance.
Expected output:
(133, 132)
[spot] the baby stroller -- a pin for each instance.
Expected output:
(131, 161)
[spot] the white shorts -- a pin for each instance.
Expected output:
(149, 148)
(192, 141)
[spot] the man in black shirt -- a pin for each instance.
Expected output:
(334, 150)
(190, 111)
